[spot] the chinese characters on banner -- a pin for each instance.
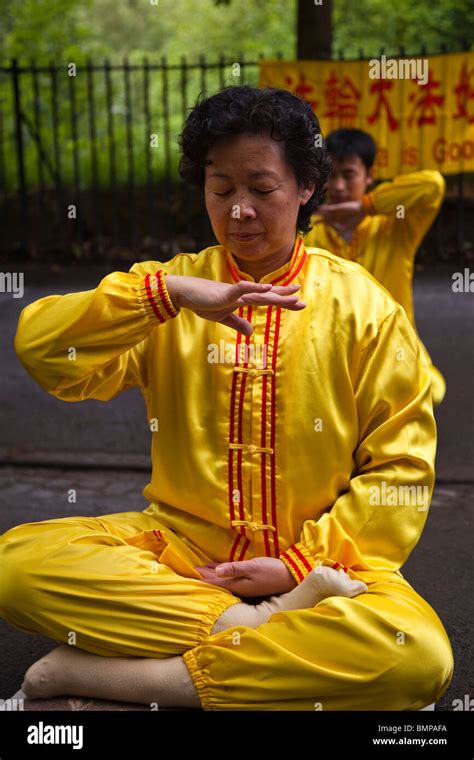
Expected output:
(425, 124)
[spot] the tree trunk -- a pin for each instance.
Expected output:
(314, 32)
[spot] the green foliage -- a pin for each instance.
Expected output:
(64, 31)
(45, 29)
(370, 24)
(71, 30)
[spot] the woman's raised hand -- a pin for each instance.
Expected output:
(217, 301)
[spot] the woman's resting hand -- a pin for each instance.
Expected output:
(260, 576)
(217, 301)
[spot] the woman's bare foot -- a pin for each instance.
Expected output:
(68, 671)
(319, 584)
(329, 582)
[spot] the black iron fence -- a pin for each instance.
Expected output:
(89, 159)
(91, 149)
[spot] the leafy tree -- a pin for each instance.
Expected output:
(65, 30)
(370, 24)
(46, 29)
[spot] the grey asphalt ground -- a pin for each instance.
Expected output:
(102, 450)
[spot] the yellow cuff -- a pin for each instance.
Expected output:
(156, 298)
(354, 574)
(298, 560)
(300, 563)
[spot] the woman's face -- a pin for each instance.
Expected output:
(252, 197)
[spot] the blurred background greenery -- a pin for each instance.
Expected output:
(91, 135)
(64, 30)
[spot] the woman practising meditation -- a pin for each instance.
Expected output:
(293, 445)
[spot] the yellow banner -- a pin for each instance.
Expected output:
(420, 111)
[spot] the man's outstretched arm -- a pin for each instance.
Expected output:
(411, 200)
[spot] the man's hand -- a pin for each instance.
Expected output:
(345, 215)
(217, 301)
(260, 576)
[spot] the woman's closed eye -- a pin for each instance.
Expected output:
(261, 192)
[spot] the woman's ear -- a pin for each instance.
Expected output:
(306, 193)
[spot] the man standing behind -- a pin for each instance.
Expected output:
(379, 229)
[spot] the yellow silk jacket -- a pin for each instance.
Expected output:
(398, 215)
(295, 442)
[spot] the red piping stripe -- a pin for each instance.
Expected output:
(161, 289)
(291, 274)
(232, 269)
(301, 557)
(233, 551)
(293, 565)
(239, 436)
(152, 300)
(243, 381)
(231, 451)
(244, 549)
(272, 431)
(264, 438)
(298, 268)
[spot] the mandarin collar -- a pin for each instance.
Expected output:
(281, 276)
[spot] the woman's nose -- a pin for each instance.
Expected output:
(243, 210)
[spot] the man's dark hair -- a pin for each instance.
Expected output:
(269, 110)
(344, 142)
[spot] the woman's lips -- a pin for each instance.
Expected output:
(245, 238)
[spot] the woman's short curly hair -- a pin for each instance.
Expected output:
(284, 116)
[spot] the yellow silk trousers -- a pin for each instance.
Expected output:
(111, 586)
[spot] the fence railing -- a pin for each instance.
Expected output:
(88, 153)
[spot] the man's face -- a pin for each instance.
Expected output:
(348, 180)
(251, 190)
